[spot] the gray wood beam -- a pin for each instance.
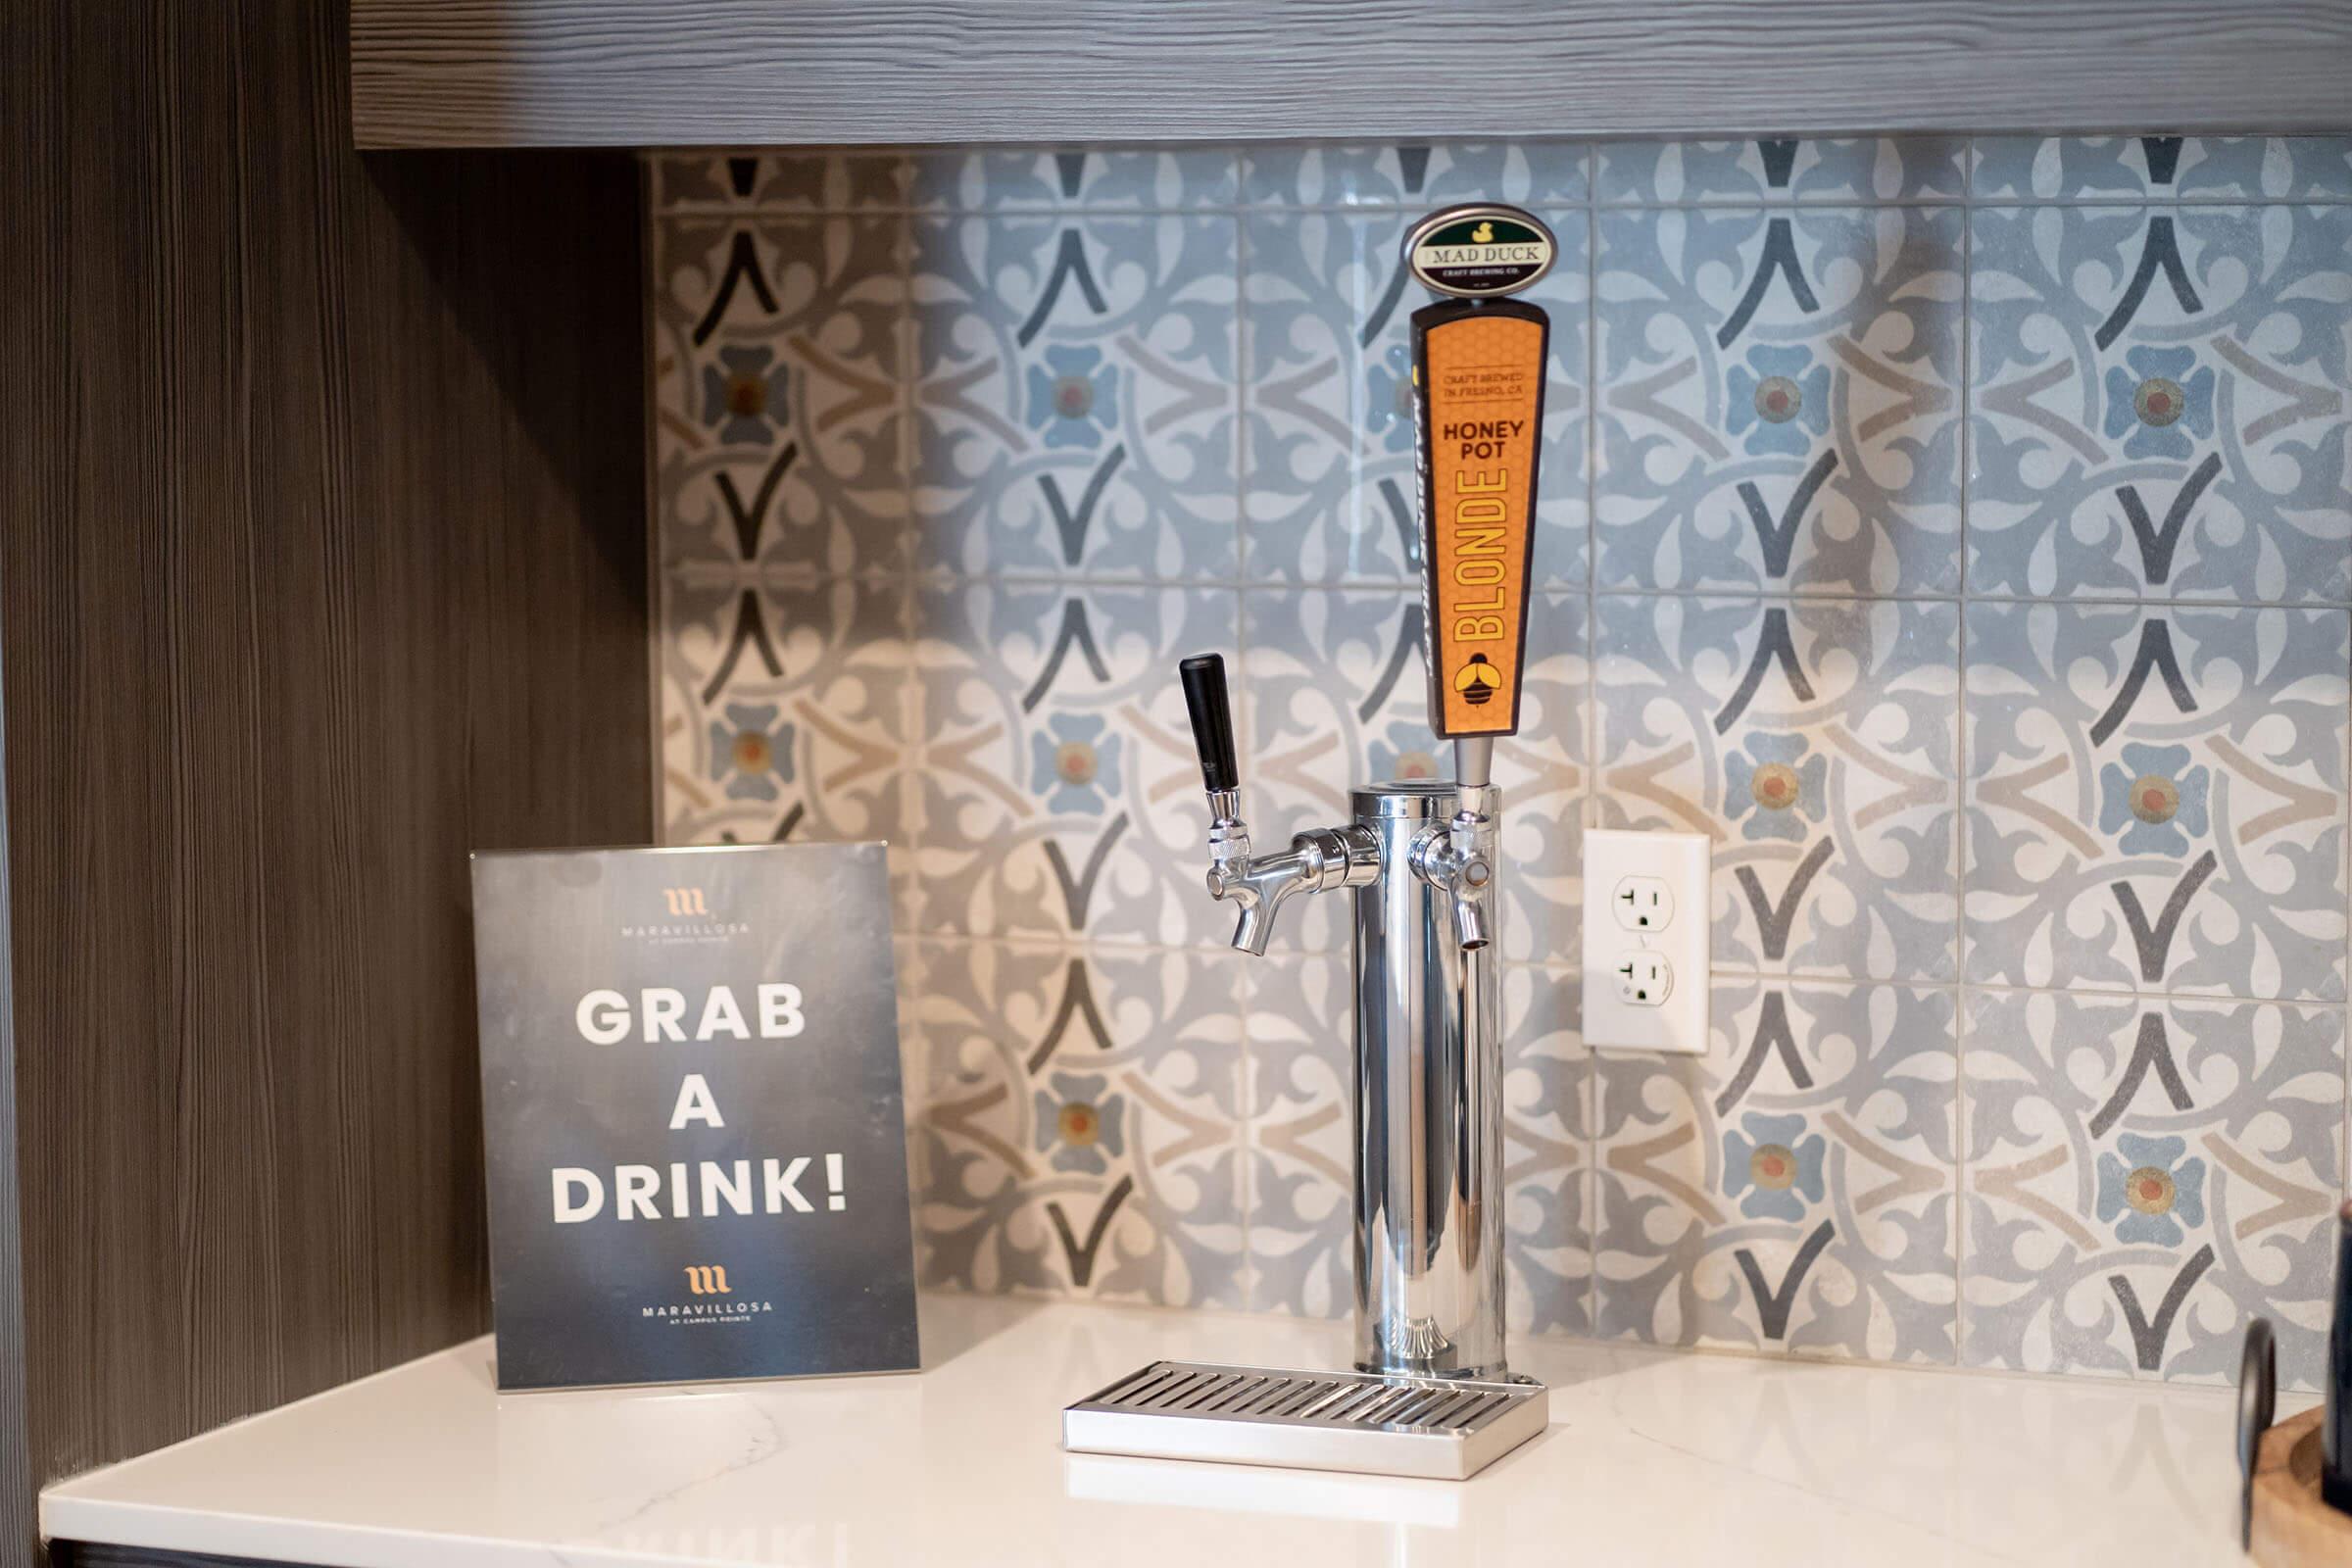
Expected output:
(689, 73)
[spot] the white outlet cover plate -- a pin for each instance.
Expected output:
(1684, 861)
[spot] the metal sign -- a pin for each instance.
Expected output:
(1479, 252)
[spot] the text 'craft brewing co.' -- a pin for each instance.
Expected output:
(696, 1159)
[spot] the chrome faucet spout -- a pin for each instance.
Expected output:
(1457, 858)
(1259, 889)
(1315, 862)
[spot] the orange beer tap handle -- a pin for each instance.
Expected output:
(1479, 364)
(1479, 373)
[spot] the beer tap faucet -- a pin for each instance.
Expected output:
(1420, 857)
(1317, 861)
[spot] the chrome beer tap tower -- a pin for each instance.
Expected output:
(1432, 1392)
(1419, 859)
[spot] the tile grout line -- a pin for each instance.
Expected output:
(657, 569)
(909, 157)
(913, 757)
(1246, 1106)
(1120, 947)
(1588, 800)
(799, 575)
(1960, 732)
(1849, 203)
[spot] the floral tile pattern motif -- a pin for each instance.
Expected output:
(776, 407)
(1080, 1123)
(2156, 799)
(1547, 1162)
(2161, 402)
(2087, 169)
(1779, 400)
(1793, 1188)
(1418, 176)
(1328, 469)
(785, 713)
(1092, 179)
(1057, 787)
(1744, 172)
(1958, 533)
(1337, 695)
(1297, 1113)
(1814, 742)
(1074, 396)
(1301, 1134)
(2144, 1176)
(769, 183)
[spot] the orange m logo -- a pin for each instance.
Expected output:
(709, 1279)
(684, 901)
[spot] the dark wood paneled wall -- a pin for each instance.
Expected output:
(321, 563)
(555, 73)
(17, 1522)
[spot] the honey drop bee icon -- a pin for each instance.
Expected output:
(1478, 680)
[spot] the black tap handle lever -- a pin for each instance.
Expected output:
(1212, 720)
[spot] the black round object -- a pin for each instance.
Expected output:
(2257, 1404)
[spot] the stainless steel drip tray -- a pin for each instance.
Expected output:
(1395, 1425)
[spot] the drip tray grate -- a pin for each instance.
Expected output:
(1361, 1421)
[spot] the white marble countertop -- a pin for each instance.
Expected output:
(1650, 1457)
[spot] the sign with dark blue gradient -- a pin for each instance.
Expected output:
(690, 1114)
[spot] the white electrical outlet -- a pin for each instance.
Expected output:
(1646, 962)
(1644, 980)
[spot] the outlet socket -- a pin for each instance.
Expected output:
(1642, 902)
(1645, 964)
(1644, 980)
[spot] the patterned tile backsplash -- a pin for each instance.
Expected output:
(1960, 533)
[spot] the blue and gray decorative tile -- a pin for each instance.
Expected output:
(774, 184)
(784, 712)
(2160, 402)
(1075, 409)
(1814, 742)
(1080, 1130)
(1675, 173)
(1420, 175)
(1547, 1152)
(2156, 799)
(1060, 791)
(2141, 1177)
(777, 397)
(1327, 466)
(1300, 1084)
(1301, 1161)
(906, 958)
(1334, 693)
(1019, 179)
(957, 454)
(1794, 1188)
(2090, 169)
(1779, 400)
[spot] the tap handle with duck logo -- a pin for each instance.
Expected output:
(1479, 360)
